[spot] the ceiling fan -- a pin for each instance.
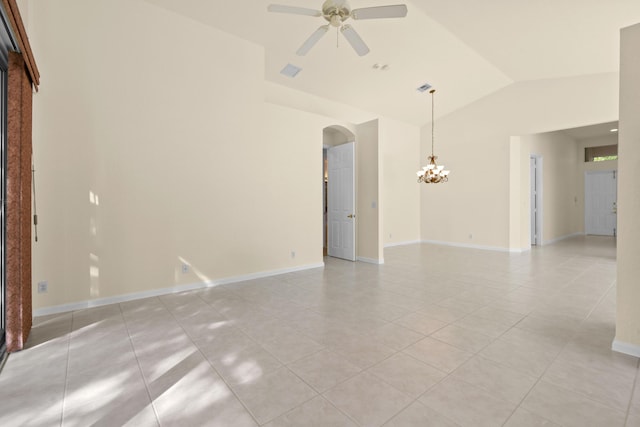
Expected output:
(336, 12)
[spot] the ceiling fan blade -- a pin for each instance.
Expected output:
(312, 40)
(281, 8)
(395, 11)
(354, 40)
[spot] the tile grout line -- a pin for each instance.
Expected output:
(556, 358)
(633, 393)
(477, 353)
(286, 365)
(318, 393)
(321, 394)
(207, 359)
(135, 353)
(66, 373)
(397, 352)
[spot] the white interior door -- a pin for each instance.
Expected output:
(341, 201)
(600, 201)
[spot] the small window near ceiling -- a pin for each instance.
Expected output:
(601, 154)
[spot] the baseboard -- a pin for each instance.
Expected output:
(482, 247)
(165, 291)
(519, 250)
(370, 260)
(557, 239)
(498, 248)
(405, 243)
(469, 246)
(626, 348)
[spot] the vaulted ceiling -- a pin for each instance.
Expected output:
(466, 49)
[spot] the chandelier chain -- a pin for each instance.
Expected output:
(433, 124)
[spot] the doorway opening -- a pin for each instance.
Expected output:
(535, 170)
(339, 216)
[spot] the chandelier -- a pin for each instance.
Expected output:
(432, 173)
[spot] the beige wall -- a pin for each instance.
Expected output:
(475, 144)
(518, 193)
(155, 148)
(157, 132)
(628, 292)
(369, 245)
(560, 209)
(154, 129)
(400, 159)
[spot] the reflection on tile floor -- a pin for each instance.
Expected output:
(436, 336)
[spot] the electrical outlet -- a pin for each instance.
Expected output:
(185, 268)
(293, 254)
(470, 235)
(43, 287)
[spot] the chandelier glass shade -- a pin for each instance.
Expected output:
(432, 173)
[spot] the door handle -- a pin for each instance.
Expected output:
(351, 216)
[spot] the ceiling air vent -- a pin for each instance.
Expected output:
(425, 87)
(290, 70)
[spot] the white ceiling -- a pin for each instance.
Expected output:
(466, 49)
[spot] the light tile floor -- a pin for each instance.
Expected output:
(437, 336)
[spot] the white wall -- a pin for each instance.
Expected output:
(628, 292)
(475, 144)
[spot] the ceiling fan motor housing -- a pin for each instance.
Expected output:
(336, 11)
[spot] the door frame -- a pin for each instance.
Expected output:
(535, 185)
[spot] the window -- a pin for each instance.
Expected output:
(601, 153)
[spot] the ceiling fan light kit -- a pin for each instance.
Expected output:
(335, 12)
